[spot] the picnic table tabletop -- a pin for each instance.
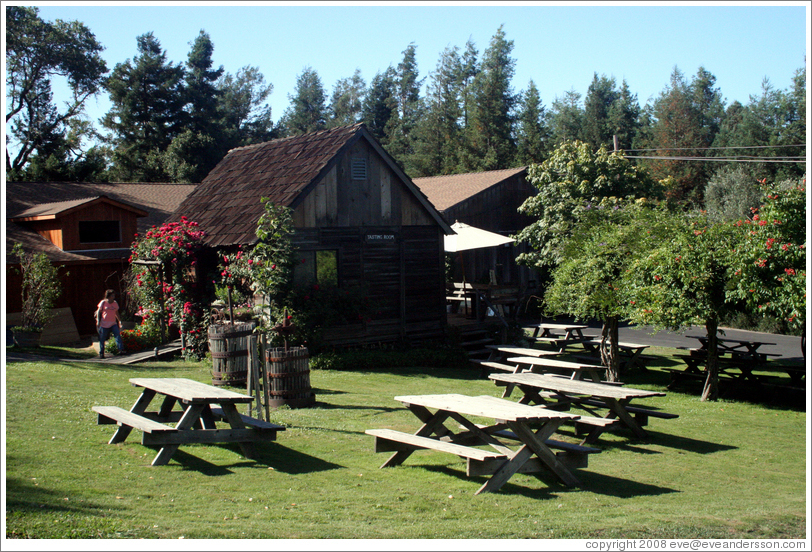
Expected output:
(530, 426)
(577, 368)
(521, 351)
(585, 394)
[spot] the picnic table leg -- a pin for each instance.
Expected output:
(139, 408)
(187, 421)
(233, 417)
(533, 443)
(432, 423)
(618, 409)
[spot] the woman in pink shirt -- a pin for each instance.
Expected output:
(107, 321)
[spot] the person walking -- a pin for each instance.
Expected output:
(107, 321)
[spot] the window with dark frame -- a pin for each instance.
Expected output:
(99, 231)
(317, 267)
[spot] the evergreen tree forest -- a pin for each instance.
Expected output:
(172, 121)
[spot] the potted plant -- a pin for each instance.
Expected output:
(40, 289)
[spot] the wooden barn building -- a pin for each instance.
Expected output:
(488, 200)
(353, 209)
(87, 229)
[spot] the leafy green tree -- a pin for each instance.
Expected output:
(681, 279)
(587, 283)
(37, 52)
(346, 101)
(731, 193)
(533, 139)
(307, 111)
(570, 179)
(769, 260)
(147, 97)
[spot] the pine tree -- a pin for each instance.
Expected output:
(437, 133)
(534, 135)
(624, 116)
(201, 145)
(488, 138)
(380, 104)
(600, 97)
(147, 96)
(566, 118)
(307, 111)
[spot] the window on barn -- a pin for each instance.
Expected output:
(359, 168)
(317, 267)
(99, 231)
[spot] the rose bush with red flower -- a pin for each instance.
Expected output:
(165, 290)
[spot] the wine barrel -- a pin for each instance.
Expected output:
(289, 377)
(228, 345)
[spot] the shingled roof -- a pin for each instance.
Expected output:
(227, 203)
(446, 191)
(158, 199)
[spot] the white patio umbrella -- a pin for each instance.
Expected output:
(470, 237)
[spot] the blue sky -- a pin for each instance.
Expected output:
(559, 46)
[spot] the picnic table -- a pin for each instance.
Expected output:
(574, 369)
(531, 426)
(740, 370)
(736, 348)
(498, 354)
(559, 335)
(588, 395)
(631, 352)
(195, 422)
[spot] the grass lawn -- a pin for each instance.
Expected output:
(726, 469)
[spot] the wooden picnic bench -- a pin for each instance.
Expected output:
(531, 426)
(195, 422)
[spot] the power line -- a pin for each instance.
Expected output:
(720, 148)
(723, 159)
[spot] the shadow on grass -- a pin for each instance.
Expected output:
(24, 496)
(599, 483)
(590, 481)
(268, 455)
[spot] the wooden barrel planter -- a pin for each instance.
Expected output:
(289, 377)
(228, 344)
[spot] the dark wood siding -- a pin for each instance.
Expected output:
(400, 267)
(495, 210)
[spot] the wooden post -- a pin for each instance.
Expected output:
(614, 140)
(264, 365)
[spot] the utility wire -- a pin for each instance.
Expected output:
(720, 148)
(721, 159)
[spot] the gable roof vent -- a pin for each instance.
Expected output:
(359, 168)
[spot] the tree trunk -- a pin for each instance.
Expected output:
(609, 353)
(711, 390)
